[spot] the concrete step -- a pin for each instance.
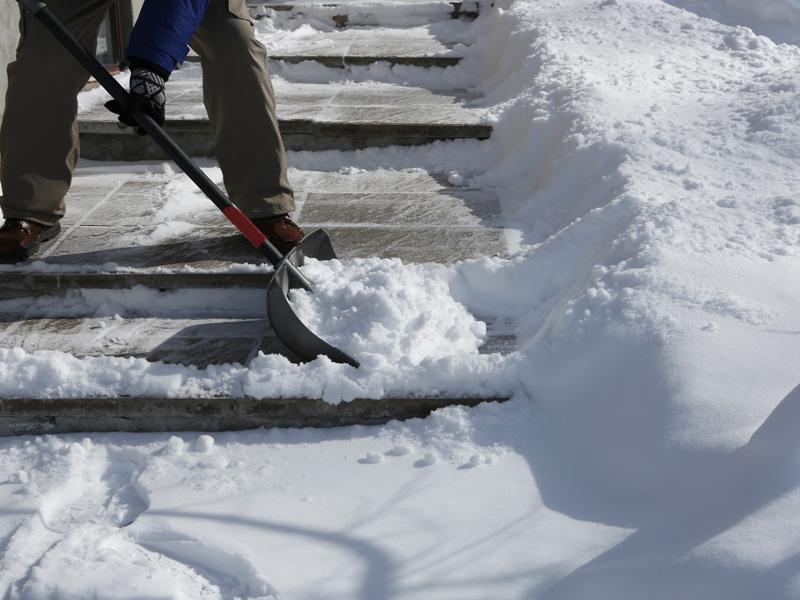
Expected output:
(344, 13)
(183, 339)
(424, 47)
(416, 46)
(42, 416)
(125, 228)
(312, 117)
(199, 341)
(353, 60)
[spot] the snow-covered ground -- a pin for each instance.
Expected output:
(650, 156)
(778, 19)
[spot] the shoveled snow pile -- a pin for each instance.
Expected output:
(650, 158)
(374, 300)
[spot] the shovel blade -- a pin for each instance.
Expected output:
(288, 327)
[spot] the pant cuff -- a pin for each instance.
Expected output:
(272, 206)
(40, 219)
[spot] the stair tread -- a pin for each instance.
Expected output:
(334, 103)
(422, 46)
(143, 227)
(389, 44)
(41, 416)
(183, 339)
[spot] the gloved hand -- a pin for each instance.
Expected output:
(147, 94)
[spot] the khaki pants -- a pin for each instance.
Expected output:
(39, 134)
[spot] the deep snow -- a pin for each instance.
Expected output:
(650, 158)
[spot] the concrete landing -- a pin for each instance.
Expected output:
(312, 117)
(37, 416)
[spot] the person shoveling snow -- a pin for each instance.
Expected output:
(41, 105)
(161, 35)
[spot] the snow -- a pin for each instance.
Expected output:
(778, 19)
(204, 444)
(649, 156)
(298, 512)
(97, 96)
(387, 313)
(372, 458)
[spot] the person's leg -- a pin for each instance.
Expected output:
(39, 133)
(241, 107)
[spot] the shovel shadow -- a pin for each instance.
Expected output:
(210, 249)
(207, 344)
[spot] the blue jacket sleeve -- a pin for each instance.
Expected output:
(163, 30)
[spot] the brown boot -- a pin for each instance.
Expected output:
(20, 239)
(284, 233)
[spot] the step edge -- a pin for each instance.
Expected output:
(373, 412)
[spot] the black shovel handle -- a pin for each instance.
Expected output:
(254, 235)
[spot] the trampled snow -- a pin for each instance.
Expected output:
(650, 157)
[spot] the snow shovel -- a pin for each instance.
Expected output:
(290, 330)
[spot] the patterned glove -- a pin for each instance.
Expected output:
(147, 95)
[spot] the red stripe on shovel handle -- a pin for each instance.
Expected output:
(253, 234)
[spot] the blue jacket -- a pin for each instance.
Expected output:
(163, 30)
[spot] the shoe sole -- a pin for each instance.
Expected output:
(47, 235)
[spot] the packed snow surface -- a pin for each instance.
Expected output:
(650, 157)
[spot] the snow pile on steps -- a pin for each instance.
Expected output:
(658, 183)
(660, 301)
